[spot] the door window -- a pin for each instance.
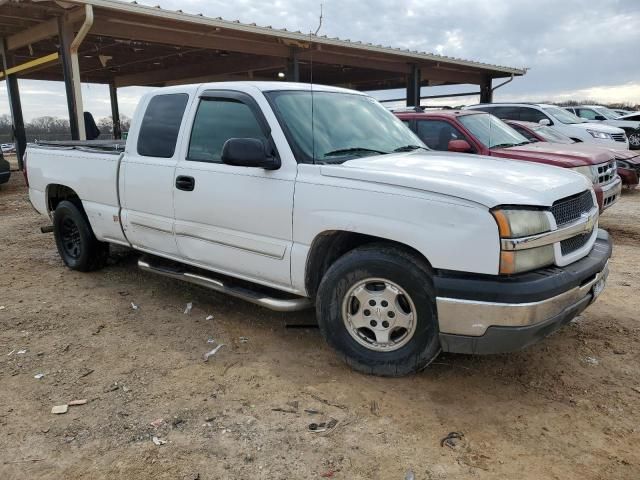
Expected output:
(161, 125)
(586, 113)
(531, 115)
(217, 120)
(437, 134)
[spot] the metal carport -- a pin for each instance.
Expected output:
(125, 44)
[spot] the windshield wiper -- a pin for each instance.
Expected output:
(346, 151)
(409, 148)
(504, 145)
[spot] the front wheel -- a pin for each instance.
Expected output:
(77, 245)
(634, 140)
(376, 307)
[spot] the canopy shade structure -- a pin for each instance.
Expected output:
(125, 44)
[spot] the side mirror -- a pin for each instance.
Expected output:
(460, 146)
(544, 121)
(600, 118)
(248, 152)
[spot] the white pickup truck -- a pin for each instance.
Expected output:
(293, 196)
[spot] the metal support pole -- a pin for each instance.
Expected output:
(293, 67)
(486, 92)
(115, 111)
(15, 105)
(413, 87)
(65, 33)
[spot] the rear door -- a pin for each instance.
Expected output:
(236, 220)
(147, 175)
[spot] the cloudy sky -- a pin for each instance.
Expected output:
(573, 48)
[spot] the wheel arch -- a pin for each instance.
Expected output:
(329, 245)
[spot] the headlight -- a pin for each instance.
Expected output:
(596, 134)
(587, 172)
(513, 223)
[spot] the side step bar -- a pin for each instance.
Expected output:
(258, 298)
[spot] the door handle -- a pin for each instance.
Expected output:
(185, 183)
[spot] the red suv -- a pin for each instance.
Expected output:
(474, 131)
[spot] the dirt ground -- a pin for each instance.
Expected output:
(568, 408)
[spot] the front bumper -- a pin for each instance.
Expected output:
(482, 314)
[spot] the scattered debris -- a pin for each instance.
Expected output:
(59, 409)
(11, 352)
(375, 409)
(134, 306)
(158, 441)
(187, 310)
(38, 376)
(323, 426)
(26, 460)
(124, 293)
(74, 403)
(326, 402)
(283, 410)
(211, 340)
(157, 422)
(2, 307)
(176, 422)
(327, 474)
(211, 353)
(592, 360)
(98, 329)
(209, 317)
(410, 475)
(312, 411)
(452, 439)
(89, 371)
(244, 339)
(21, 352)
(111, 388)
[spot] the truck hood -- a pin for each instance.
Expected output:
(557, 154)
(480, 179)
(598, 127)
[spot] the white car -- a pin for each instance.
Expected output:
(294, 196)
(559, 119)
(603, 114)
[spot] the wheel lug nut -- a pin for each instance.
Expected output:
(384, 303)
(391, 314)
(385, 324)
(372, 303)
(373, 323)
(366, 313)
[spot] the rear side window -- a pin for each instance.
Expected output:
(524, 132)
(531, 115)
(161, 124)
(217, 120)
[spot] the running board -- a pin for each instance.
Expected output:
(255, 297)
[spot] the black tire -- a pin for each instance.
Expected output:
(406, 270)
(77, 245)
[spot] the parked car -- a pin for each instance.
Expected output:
(621, 112)
(628, 161)
(634, 136)
(8, 148)
(559, 119)
(292, 198)
(5, 170)
(605, 115)
(475, 131)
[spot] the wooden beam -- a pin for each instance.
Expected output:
(33, 65)
(431, 73)
(223, 66)
(41, 31)
(139, 31)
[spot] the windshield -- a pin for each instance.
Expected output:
(345, 126)
(606, 113)
(491, 131)
(562, 115)
(551, 135)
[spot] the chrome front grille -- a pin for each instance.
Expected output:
(570, 209)
(606, 172)
(619, 137)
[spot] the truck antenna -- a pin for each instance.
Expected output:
(311, 35)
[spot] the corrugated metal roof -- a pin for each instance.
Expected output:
(200, 19)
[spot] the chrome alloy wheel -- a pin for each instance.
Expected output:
(379, 315)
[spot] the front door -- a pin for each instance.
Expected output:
(235, 220)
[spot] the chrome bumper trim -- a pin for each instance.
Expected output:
(584, 224)
(472, 318)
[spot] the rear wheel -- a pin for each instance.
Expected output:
(77, 245)
(634, 140)
(376, 307)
